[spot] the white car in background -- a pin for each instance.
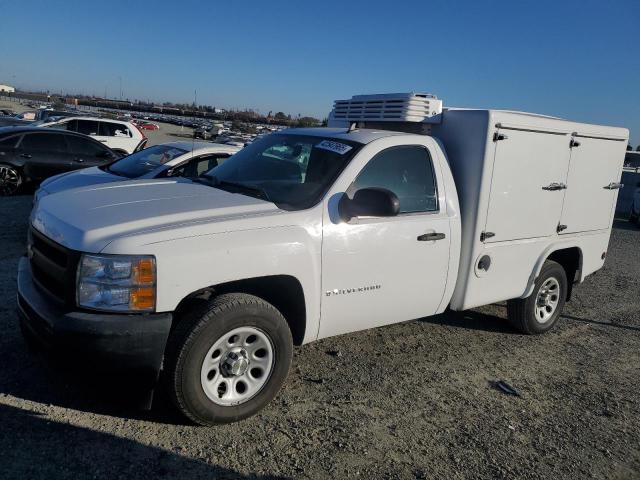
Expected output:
(123, 137)
(176, 159)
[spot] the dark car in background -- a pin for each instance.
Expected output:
(32, 154)
(35, 117)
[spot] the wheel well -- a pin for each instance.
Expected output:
(571, 261)
(282, 291)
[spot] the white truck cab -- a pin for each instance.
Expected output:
(400, 210)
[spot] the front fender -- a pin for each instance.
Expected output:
(186, 265)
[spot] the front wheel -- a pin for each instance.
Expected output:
(229, 359)
(540, 311)
(10, 180)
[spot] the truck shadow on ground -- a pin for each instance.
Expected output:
(46, 382)
(32, 446)
(473, 320)
(624, 224)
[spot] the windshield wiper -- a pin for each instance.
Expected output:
(252, 190)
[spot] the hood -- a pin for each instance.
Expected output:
(89, 218)
(78, 178)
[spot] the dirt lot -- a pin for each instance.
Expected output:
(407, 401)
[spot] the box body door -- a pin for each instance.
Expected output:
(524, 202)
(596, 164)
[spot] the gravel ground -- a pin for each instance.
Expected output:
(412, 400)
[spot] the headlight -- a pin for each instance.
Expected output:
(117, 282)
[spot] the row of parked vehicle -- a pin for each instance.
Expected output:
(101, 150)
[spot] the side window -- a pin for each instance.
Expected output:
(109, 129)
(84, 146)
(199, 165)
(408, 172)
(9, 142)
(88, 127)
(44, 142)
(206, 163)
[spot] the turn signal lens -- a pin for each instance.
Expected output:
(142, 298)
(144, 271)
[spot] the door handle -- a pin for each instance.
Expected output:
(427, 237)
(613, 186)
(79, 160)
(555, 186)
(25, 155)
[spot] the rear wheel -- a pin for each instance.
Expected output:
(10, 180)
(227, 360)
(540, 311)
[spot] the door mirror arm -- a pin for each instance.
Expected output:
(369, 202)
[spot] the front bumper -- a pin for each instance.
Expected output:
(131, 344)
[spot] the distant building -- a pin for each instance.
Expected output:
(7, 89)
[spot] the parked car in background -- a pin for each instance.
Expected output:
(123, 137)
(176, 159)
(30, 117)
(32, 154)
(142, 125)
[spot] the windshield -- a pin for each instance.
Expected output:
(292, 171)
(144, 161)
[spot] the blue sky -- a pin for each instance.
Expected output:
(575, 59)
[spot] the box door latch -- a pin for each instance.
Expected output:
(499, 136)
(485, 235)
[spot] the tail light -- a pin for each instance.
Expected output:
(140, 130)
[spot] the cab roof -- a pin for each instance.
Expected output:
(360, 135)
(195, 146)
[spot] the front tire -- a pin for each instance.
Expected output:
(227, 360)
(10, 179)
(540, 311)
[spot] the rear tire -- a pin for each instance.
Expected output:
(10, 179)
(205, 378)
(540, 311)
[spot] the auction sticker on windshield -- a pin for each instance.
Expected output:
(335, 147)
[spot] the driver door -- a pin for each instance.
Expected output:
(377, 271)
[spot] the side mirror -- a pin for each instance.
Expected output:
(369, 202)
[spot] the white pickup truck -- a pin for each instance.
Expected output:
(400, 211)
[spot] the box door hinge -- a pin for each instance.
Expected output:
(499, 136)
(486, 235)
(560, 228)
